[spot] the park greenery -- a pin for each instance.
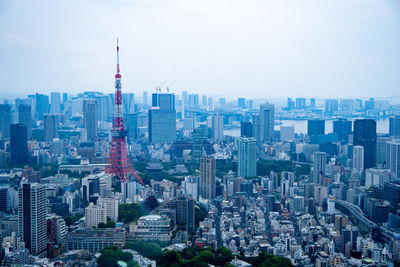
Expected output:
(110, 256)
(130, 212)
(197, 256)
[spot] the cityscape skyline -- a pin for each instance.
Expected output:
(269, 49)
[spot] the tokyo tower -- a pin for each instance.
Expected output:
(119, 163)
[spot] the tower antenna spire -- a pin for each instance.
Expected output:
(119, 163)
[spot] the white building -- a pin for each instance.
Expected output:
(358, 158)
(111, 207)
(95, 215)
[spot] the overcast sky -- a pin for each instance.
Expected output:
(250, 48)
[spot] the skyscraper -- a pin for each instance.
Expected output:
(162, 119)
(342, 128)
(197, 149)
(5, 120)
(319, 165)
(50, 127)
(18, 144)
(128, 100)
(55, 102)
(131, 124)
(25, 118)
(315, 127)
(32, 218)
(394, 126)
(42, 105)
(246, 129)
(365, 135)
(217, 122)
(394, 158)
(257, 129)
(267, 119)
(247, 163)
(358, 158)
(90, 118)
(207, 178)
(241, 102)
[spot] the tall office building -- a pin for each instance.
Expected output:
(193, 100)
(90, 118)
(204, 101)
(128, 102)
(358, 158)
(315, 127)
(267, 119)
(300, 102)
(331, 105)
(18, 144)
(50, 127)
(55, 98)
(64, 98)
(25, 118)
(185, 212)
(247, 163)
(42, 105)
(5, 120)
(365, 135)
(394, 126)
(32, 217)
(342, 128)
(217, 123)
(145, 98)
(246, 129)
(162, 119)
(257, 129)
(207, 178)
(319, 165)
(131, 125)
(242, 102)
(394, 158)
(312, 102)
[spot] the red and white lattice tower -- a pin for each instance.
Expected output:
(119, 163)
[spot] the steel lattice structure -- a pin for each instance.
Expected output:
(119, 163)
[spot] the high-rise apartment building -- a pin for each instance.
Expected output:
(18, 144)
(32, 218)
(90, 118)
(365, 135)
(94, 215)
(319, 165)
(207, 177)
(25, 118)
(55, 98)
(358, 158)
(5, 120)
(267, 119)
(217, 122)
(111, 207)
(50, 127)
(247, 158)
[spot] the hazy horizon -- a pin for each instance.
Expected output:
(252, 49)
